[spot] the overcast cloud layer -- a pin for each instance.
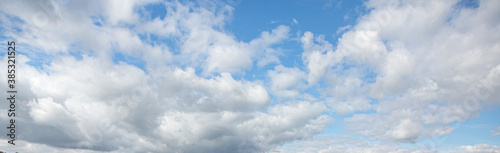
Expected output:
(106, 76)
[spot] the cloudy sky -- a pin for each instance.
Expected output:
(253, 76)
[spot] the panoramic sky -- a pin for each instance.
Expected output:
(253, 75)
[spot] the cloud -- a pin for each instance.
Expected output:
(345, 143)
(406, 71)
(317, 57)
(287, 82)
(495, 133)
(206, 132)
(197, 132)
(93, 101)
(203, 43)
(413, 69)
(265, 41)
(480, 148)
(343, 29)
(177, 111)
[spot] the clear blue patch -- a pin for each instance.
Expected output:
(198, 71)
(373, 101)
(468, 4)
(38, 59)
(135, 61)
(462, 4)
(4, 38)
(14, 20)
(474, 131)
(146, 38)
(256, 73)
(154, 10)
(78, 55)
(369, 77)
(291, 55)
(348, 64)
(477, 130)
(154, 40)
(370, 111)
(252, 17)
(97, 20)
(335, 128)
(313, 91)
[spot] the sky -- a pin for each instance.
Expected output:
(253, 76)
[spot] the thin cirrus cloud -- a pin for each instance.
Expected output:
(107, 76)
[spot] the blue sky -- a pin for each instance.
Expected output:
(256, 76)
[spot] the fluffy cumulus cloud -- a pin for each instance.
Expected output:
(287, 82)
(419, 71)
(80, 95)
(108, 76)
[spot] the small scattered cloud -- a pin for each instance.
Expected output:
(343, 29)
(495, 132)
(295, 21)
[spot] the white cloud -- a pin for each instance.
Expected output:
(480, 148)
(232, 131)
(203, 42)
(265, 41)
(406, 129)
(96, 104)
(26, 146)
(287, 82)
(345, 143)
(227, 55)
(195, 29)
(219, 93)
(348, 106)
(420, 68)
(317, 57)
(121, 11)
(343, 29)
(408, 69)
(128, 109)
(222, 131)
(391, 80)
